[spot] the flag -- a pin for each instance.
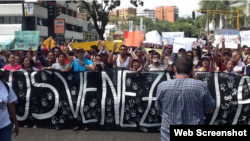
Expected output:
(72, 40)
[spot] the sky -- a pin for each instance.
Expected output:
(185, 6)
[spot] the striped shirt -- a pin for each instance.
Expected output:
(182, 101)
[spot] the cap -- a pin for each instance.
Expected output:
(45, 49)
(227, 53)
(137, 59)
(94, 47)
(181, 49)
(79, 49)
(205, 58)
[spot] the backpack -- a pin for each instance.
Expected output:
(6, 85)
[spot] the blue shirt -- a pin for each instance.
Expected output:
(78, 67)
(182, 101)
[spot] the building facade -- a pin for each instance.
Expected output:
(167, 13)
(125, 12)
(149, 13)
(11, 19)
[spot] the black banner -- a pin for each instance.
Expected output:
(119, 99)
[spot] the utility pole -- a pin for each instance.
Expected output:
(23, 21)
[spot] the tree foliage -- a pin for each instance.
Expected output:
(99, 12)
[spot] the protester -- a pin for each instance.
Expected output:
(80, 64)
(60, 65)
(182, 101)
(11, 66)
(7, 111)
(2, 61)
(122, 60)
(46, 63)
(156, 66)
(26, 65)
(57, 51)
(137, 65)
(93, 51)
(98, 64)
(229, 68)
(105, 55)
(17, 60)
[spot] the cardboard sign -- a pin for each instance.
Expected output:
(26, 39)
(185, 43)
(153, 37)
(170, 36)
(245, 38)
(229, 35)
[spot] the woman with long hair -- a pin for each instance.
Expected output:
(11, 64)
(27, 64)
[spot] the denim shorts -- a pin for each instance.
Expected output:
(5, 133)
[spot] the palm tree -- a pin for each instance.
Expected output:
(232, 19)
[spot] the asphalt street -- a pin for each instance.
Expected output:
(39, 134)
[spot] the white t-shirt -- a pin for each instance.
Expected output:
(5, 98)
(58, 66)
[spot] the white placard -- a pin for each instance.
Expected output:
(153, 37)
(170, 36)
(245, 38)
(202, 42)
(229, 35)
(185, 43)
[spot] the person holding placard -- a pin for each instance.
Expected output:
(236, 58)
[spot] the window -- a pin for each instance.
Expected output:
(1, 20)
(70, 12)
(6, 20)
(12, 20)
(63, 10)
(74, 14)
(18, 20)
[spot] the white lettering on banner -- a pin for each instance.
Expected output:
(85, 90)
(240, 101)
(124, 94)
(27, 104)
(117, 97)
(44, 85)
(74, 112)
(150, 98)
(218, 100)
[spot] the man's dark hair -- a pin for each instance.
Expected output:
(156, 53)
(151, 51)
(61, 53)
(123, 46)
(57, 48)
(94, 47)
(138, 50)
(184, 65)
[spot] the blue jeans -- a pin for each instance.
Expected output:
(5, 133)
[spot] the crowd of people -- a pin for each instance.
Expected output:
(210, 58)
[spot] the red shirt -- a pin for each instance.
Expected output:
(222, 67)
(13, 68)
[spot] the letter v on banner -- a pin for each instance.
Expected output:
(74, 111)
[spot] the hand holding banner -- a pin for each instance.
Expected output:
(229, 36)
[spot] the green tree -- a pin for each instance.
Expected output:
(99, 12)
(232, 19)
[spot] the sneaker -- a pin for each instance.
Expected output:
(25, 126)
(76, 128)
(34, 126)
